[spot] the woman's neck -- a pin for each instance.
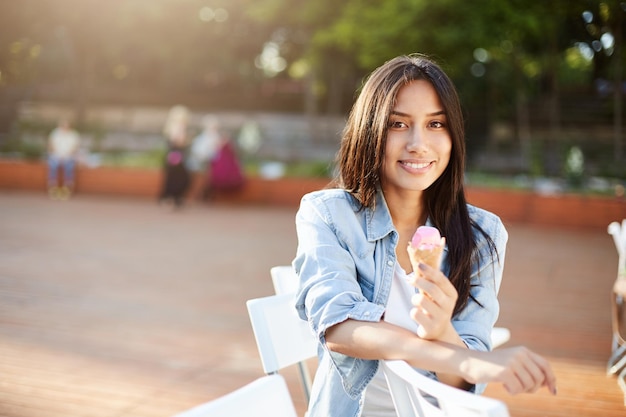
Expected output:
(406, 209)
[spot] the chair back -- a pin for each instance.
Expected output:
(284, 279)
(266, 396)
(499, 336)
(619, 237)
(282, 338)
(416, 395)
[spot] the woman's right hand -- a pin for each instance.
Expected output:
(517, 368)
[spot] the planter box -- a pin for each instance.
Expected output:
(566, 210)
(512, 206)
(146, 183)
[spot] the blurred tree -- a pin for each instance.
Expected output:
(131, 51)
(511, 59)
(327, 71)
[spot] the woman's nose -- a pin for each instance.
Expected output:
(415, 139)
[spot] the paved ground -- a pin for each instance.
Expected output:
(120, 307)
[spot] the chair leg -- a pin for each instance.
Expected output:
(621, 381)
(305, 378)
(617, 360)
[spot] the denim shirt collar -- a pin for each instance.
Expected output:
(379, 223)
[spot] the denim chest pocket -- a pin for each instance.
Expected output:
(362, 252)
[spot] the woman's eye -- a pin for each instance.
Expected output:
(397, 124)
(437, 125)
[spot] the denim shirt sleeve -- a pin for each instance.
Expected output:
(331, 288)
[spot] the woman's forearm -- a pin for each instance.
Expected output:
(382, 340)
(517, 368)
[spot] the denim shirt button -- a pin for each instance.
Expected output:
(390, 263)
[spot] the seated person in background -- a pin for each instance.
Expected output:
(63, 146)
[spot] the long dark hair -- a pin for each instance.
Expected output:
(361, 155)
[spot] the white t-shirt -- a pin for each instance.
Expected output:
(203, 149)
(377, 402)
(64, 143)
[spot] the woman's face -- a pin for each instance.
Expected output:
(418, 141)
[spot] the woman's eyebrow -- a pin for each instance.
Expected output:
(401, 114)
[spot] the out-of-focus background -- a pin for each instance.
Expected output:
(541, 82)
(113, 305)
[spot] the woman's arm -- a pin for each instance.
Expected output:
(518, 369)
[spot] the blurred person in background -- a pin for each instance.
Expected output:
(176, 178)
(224, 173)
(202, 151)
(63, 146)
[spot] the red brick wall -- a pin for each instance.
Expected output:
(556, 210)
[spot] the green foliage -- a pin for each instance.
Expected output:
(27, 150)
(293, 169)
(121, 158)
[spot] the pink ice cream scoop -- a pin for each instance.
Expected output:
(426, 246)
(426, 237)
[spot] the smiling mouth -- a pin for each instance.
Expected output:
(415, 165)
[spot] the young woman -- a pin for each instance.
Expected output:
(401, 165)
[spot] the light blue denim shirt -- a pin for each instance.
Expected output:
(345, 260)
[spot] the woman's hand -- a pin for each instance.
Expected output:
(518, 369)
(434, 304)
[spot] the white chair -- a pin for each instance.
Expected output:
(416, 395)
(499, 336)
(617, 362)
(283, 339)
(618, 232)
(266, 396)
(285, 281)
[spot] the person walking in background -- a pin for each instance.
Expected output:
(63, 146)
(401, 165)
(176, 177)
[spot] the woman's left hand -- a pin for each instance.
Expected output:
(434, 304)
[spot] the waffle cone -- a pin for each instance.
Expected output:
(431, 257)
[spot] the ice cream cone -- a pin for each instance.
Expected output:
(430, 256)
(426, 247)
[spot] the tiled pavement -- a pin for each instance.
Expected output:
(120, 307)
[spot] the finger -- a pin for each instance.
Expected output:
(540, 373)
(429, 288)
(530, 377)
(532, 372)
(429, 285)
(511, 383)
(549, 379)
(421, 316)
(425, 323)
(434, 308)
(438, 278)
(423, 302)
(445, 301)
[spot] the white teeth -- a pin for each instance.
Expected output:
(416, 166)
